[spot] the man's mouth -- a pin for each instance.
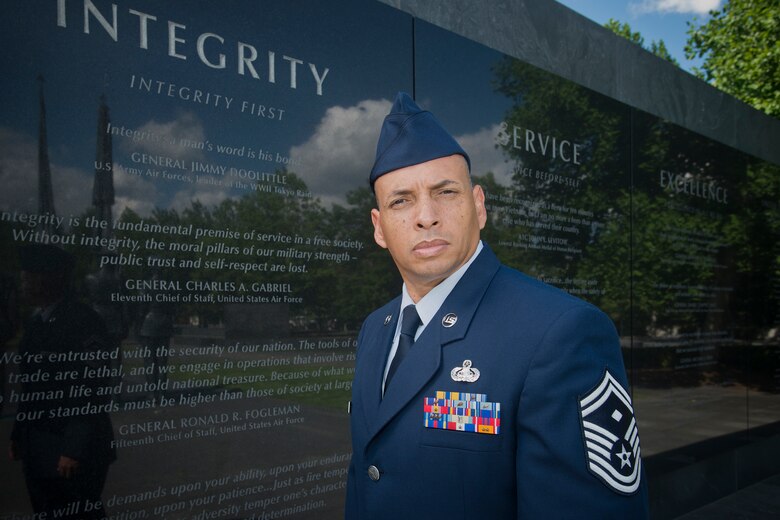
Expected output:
(428, 248)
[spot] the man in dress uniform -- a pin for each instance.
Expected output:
(479, 392)
(62, 433)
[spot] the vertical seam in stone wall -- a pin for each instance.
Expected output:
(631, 188)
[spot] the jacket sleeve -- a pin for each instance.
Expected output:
(556, 476)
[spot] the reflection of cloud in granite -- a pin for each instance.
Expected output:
(337, 158)
(134, 192)
(19, 178)
(485, 157)
(210, 196)
(170, 138)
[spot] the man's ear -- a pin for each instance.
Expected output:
(379, 236)
(479, 204)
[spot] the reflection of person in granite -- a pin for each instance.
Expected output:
(9, 323)
(479, 392)
(155, 333)
(62, 434)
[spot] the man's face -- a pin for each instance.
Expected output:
(429, 219)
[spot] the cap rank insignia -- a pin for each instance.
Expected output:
(611, 436)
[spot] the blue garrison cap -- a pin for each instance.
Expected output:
(409, 136)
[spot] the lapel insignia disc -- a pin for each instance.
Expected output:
(611, 436)
(465, 373)
(388, 318)
(449, 320)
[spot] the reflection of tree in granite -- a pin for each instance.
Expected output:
(353, 288)
(755, 237)
(679, 240)
(550, 116)
(265, 229)
(703, 270)
(754, 234)
(695, 266)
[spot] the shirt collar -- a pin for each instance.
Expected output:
(430, 304)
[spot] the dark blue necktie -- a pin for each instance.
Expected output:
(410, 321)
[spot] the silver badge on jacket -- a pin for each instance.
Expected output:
(466, 373)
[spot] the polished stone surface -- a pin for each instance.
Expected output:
(757, 502)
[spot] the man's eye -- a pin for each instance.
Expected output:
(397, 202)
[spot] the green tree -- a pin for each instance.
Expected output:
(740, 45)
(623, 29)
(660, 50)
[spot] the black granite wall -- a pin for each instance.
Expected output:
(551, 36)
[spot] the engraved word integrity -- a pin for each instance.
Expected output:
(243, 57)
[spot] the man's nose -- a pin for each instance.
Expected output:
(427, 214)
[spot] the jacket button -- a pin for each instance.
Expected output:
(373, 473)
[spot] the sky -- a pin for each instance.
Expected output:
(655, 19)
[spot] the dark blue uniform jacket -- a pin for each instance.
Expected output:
(552, 361)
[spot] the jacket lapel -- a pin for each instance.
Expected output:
(465, 298)
(423, 361)
(378, 348)
(421, 364)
